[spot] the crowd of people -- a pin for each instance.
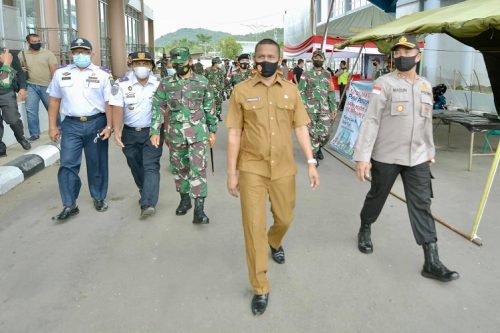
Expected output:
(183, 108)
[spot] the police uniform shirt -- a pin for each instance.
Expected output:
(267, 116)
(135, 99)
(83, 92)
(397, 128)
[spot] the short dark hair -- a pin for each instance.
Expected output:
(28, 36)
(283, 62)
(343, 62)
(268, 41)
(300, 61)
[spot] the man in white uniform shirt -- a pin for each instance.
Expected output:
(131, 101)
(81, 91)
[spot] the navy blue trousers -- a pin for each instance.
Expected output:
(76, 137)
(144, 162)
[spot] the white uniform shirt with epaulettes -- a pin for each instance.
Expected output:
(397, 128)
(83, 92)
(135, 99)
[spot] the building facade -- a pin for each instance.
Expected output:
(114, 27)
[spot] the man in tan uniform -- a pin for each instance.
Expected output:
(395, 138)
(262, 113)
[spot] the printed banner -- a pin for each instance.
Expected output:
(355, 108)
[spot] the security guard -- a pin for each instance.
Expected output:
(396, 139)
(10, 74)
(318, 94)
(131, 100)
(243, 72)
(185, 103)
(343, 77)
(262, 113)
(84, 90)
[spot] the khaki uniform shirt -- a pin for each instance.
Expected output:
(267, 116)
(38, 65)
(397, 128)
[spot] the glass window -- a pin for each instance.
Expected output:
(13, 24)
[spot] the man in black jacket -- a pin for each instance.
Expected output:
(8, 105)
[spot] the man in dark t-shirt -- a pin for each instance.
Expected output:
(297, 71)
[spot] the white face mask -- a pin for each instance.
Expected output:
(142, 72)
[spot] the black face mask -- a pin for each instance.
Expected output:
(244, 66)
(267, 69)
(375, 64)
(36, 46)
(404, 64)
(318, 63)
(182, 70)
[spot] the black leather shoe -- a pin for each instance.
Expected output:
(319, 155)
(147, 211)
(25, 143)
(184, 205)
(278, 255)
(3, 153)
(66, 213)
(259, 304)
(100, 205)
(365, 244)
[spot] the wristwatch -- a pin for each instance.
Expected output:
(312, 161)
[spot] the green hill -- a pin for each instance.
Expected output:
(190, 34)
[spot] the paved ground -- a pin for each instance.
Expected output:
(111, 272)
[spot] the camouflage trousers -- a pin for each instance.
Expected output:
(320, 129)
(218, 103)
(189, 166)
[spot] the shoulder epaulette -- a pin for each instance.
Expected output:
(106, 69)
(123, 79)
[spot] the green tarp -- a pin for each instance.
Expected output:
(473, 22)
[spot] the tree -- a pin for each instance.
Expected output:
(230, 48)
(204, 40)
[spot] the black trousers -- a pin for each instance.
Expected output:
(144, 162)
(342, 99)
(10, 113)
(418, 192)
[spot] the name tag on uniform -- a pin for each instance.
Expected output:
(66, 81)
(253, 99)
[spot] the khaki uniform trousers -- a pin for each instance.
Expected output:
(254, 190)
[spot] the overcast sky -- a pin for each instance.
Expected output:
(234, 17)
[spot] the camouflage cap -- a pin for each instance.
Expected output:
(318, 52)
(244, 56)
(216, 60)
(179, 55)
(80, 43)
(406, 41)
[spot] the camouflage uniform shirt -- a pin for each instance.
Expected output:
(240, 76)
(317, 91)
(7, 74)
(188, 108)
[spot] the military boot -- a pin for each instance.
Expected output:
(18, 130)
(184, 205)
(364, 238)
(319, 154)
(199, 215)
(433, 267)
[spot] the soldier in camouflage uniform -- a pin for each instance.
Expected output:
(318, 95)
(198, 68)
(216, 77)
(7, 73)
(244, 72)
(163, 62)
(185, 103)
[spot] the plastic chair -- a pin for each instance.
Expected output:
(487, 140)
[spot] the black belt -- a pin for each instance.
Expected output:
(137, 129)
(86, 118)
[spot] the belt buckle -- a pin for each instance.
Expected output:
(83, 119)
(138, 129)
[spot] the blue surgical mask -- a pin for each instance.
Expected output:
(81, 60)
(170, 71)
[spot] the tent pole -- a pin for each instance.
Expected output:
(486, 193)
(325, 34)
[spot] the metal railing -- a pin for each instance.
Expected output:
(58, 41)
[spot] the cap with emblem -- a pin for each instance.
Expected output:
(406, 41)
(81, 43)
(318, 53)
(140, 56)
(179, 55)
(244, 56)
(216, 60)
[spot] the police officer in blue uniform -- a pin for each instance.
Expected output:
(81, 92)
(131, 101)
